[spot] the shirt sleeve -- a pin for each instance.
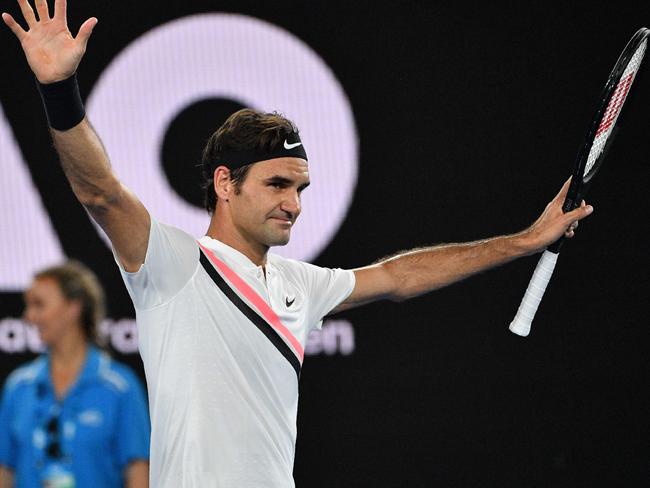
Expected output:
(7, 447)
(134, 429)
(171, 260)
(326, 289)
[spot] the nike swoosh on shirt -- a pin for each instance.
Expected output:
(291, 146)
(289, 303)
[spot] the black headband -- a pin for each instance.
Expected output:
(290, 147)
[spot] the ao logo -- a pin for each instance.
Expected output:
(159, 75)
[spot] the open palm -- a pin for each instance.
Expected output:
(51, 51)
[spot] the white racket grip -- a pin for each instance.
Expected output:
(520, 325)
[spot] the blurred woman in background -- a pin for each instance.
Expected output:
(73, 417)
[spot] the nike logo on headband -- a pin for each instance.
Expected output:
(291, 146)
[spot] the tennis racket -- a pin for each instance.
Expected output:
(590, 157)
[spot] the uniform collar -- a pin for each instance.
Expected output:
(91, 366)
(231, 255)
(89, 371)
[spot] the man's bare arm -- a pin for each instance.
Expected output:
(419, 271)
(54, 55)
(113, 206)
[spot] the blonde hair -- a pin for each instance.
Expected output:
(78, 282)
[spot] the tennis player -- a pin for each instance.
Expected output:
(222, 322)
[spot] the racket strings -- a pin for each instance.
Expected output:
(614, 107)
(615, 104)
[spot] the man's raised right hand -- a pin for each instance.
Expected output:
(51, 51)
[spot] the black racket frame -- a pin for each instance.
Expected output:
(580, 183)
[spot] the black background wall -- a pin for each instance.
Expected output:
(469, 116)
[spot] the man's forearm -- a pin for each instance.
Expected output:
(415, 272)
(83, 157)
(118, 211)
(422, 270)
(86, 165)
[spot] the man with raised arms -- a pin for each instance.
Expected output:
(222, 322)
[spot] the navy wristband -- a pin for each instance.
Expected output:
(62, 102)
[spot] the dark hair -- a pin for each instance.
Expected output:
(245, 130)
(78, 282)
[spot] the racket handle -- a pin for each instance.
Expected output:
(520, 325)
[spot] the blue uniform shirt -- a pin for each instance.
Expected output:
(93, 433)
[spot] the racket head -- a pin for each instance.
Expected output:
(600, 133)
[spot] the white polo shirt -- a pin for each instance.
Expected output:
(222, 346)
